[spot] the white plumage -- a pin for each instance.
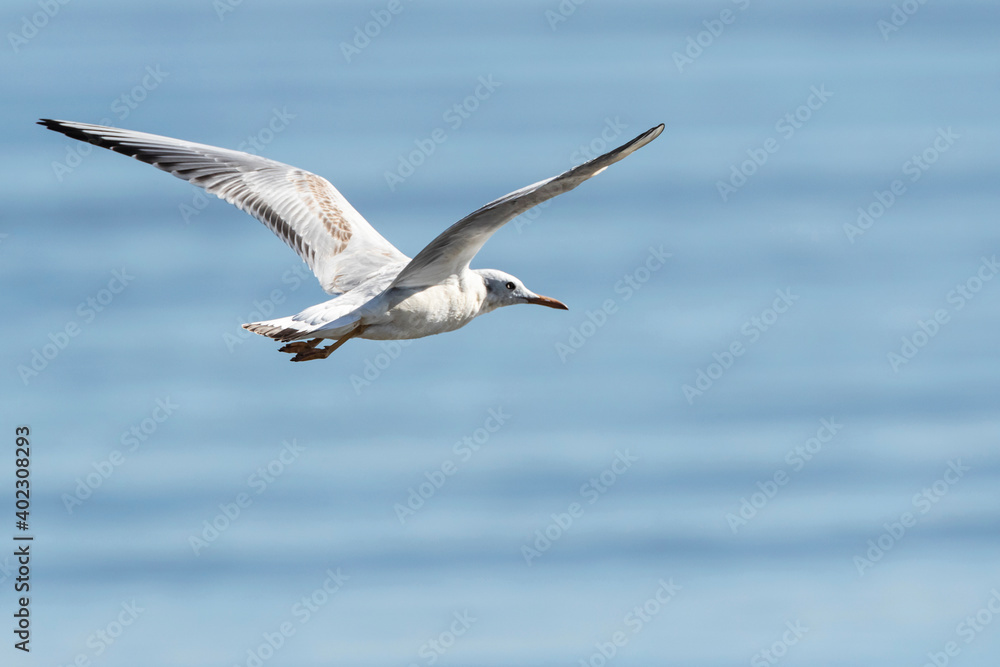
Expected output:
(383, 294)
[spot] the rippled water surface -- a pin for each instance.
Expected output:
(777, 444)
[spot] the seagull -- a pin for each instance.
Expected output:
(381, 293)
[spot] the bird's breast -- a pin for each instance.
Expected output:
(429, 311)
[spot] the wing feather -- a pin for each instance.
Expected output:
(450, 253)
(304, 210)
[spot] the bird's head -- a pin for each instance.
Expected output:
(503, 289)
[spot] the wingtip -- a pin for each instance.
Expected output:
(635, 144)
(79, 131)
(54, 125)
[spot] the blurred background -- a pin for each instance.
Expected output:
(765, 431)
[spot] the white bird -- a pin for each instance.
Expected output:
(383, 294)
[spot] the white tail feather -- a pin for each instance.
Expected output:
(283, 329)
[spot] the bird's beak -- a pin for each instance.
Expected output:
(548, 301)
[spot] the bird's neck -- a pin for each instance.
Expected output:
(475, 283)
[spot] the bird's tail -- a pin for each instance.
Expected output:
(310, 323)
(331, 319)
(283, 329)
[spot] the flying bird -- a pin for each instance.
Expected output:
(382, 293)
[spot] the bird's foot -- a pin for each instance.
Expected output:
(300, 346)
(314, 353)
(307, 350)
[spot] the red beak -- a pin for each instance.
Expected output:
(548, 301)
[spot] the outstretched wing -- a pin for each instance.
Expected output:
(303, 209)
(451, 252)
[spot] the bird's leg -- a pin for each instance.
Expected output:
(300, 346)
(311, 352)
(318, 353)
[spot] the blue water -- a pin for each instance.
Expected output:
(868, 484)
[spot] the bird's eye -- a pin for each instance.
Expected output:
(510, 285)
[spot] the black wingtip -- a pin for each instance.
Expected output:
(617, 154)
(54, 125)
(651, 133)
(63, 127)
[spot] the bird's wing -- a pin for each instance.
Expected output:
(303, 209)
(451, 252)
